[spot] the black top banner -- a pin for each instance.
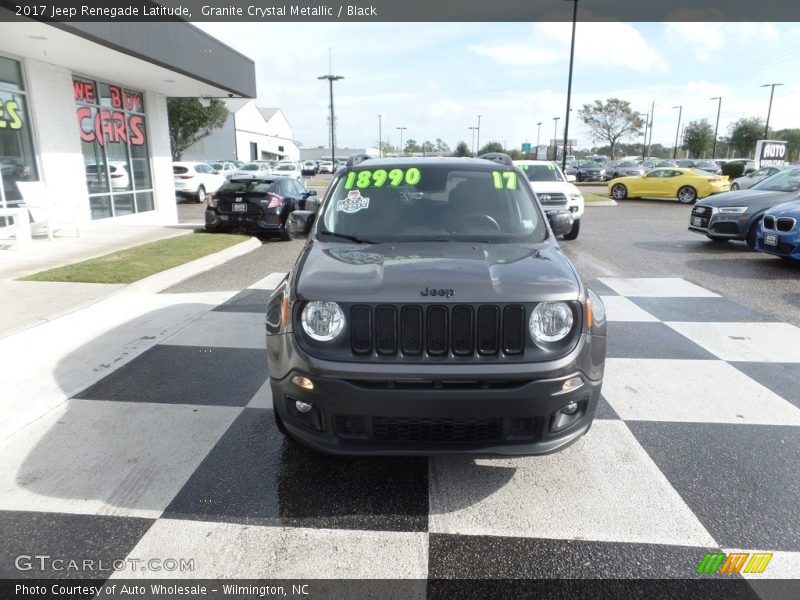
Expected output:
(403, 10)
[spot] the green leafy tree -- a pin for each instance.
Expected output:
(190, 122)
(441, 146)
(792, 137)
(462, 149)
(744, 134)
(491, 147)
(428, 146)
(611, 121)
(412, 146)
(515, 154)
(698, 136)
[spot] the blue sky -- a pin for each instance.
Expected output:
(435, 78)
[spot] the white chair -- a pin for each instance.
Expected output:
(47, 214)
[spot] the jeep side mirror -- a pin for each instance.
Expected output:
(300, 222)
(312, 192)
(560, 221)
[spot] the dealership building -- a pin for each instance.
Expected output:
(83, 109)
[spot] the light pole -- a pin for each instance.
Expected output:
(478, 143)
(555, 138)
(331, 79)
(677, 131)
(380, 138)
(569, 83)
(769, 110)
(472, 149)
(401, 130)
(650, 138)
(716, 127)
(538, 132)
(644, 139)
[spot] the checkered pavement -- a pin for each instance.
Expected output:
(695, 447)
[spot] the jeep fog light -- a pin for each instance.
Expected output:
(550, 322)
(573, 383)
(302, 407)
(322, 321)
(565, 417)
(303, 382)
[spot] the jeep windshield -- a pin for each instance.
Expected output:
(412, 202)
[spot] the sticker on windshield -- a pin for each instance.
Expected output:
(353, 203)
(380, 177)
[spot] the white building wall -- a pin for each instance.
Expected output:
(166, 212)
(58, 146)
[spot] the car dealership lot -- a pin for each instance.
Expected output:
(696, 445)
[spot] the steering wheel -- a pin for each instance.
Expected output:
(481, 220)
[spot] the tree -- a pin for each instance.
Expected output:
(462, 149)
(744, 134)
(611, 121)
(388, 149)
(491, 147)
(190, 122)
(698, 137)
(427, 146)
(441, 146)
(792, 137)
(411, 146)
(515, 154)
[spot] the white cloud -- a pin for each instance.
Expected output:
(445, 108)
(707, 40)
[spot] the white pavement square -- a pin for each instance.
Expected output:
(619, 308)
(108, 458)
(218, 329)
(604, 488)
(657, 287)
(755, 342)
(225, 550)
(262, 398)
(270, 282)
(700, 391)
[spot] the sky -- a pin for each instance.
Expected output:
(435, 78)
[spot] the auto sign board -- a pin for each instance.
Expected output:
(770, 153)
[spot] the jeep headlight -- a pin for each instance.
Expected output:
(550, 322)
(322, 321)
(736, 210)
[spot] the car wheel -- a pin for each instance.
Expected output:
(619, 192)
(752, 235)
(687, 194)
(573, 233)
(734, 186)
(200, 196)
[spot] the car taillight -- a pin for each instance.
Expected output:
(211, 201)
(116, 175)
(713, 179)
(184, 176)
(275, 200)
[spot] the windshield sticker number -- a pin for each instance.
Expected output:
(510, 178)
(379, 178)
(353, 203)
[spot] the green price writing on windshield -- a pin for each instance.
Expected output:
(380, 177)
(506, 179)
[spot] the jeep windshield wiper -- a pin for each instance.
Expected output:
(345, 236)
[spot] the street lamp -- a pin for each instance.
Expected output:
(380, 138)
(401, 130)
(677, 131)
(478, 144)
(716, 127)
(569, 83)
(472, 149)
(555, 138)
(644, 139)
(331, 79)
(538, 132)
(769, 111)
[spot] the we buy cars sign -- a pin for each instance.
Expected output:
(770, 153)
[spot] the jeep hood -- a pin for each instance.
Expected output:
(756, 198)
(400, 273)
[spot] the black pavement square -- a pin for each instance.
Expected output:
(255, 476)
(781, 378)
(185, 375)
(631, 339)
(604, 410)
(600, 288)
(101, 539)
(254, 301)
(700, 310)
(742, 481)
(501, 557)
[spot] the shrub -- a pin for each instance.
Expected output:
(733, 169)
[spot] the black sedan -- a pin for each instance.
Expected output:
(588, 170)
(261, 206)
(736, 215)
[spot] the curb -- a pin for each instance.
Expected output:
(601, 203)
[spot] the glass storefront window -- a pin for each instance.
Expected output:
(111, 123)
(17, 157)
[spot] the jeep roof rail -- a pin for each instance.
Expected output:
(355, 159)
(498, 157)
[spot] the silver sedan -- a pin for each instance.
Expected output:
(747, 181)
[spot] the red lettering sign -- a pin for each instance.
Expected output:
(133, 101)
(110, 127)
(83, 91)
(116, 96)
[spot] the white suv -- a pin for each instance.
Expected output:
(553, 190)
(196, 179)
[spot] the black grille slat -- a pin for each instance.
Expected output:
(769, 222)
(411, 330)
(488, 329)
(513, 329)
(436, 330)
(386, 330)
(361, 329)
(785, 224)
(410, 429)
(463, 343)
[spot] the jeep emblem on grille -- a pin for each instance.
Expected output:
(432, 292)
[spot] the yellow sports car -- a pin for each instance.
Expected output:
(687, 185)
